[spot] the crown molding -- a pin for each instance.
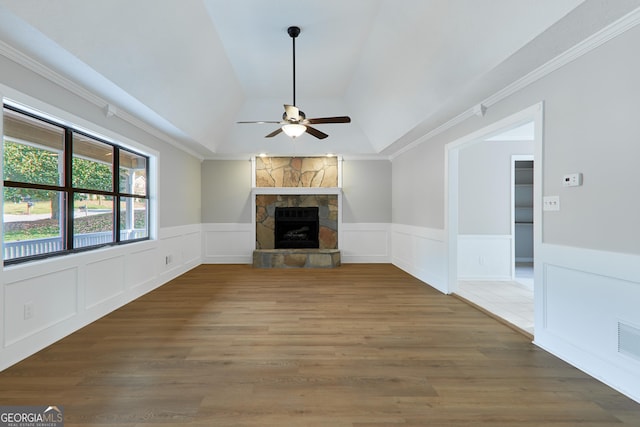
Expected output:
(31, 64)
(434, 132)
(592, 42)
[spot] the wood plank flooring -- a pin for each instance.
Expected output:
(358, 346)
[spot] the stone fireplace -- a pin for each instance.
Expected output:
(327, 208)
(297, 211)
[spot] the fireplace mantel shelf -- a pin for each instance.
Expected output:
(295, 190)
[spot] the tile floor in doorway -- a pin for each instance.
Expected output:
(512, 301)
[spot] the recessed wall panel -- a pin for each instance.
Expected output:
(141, 267)
(104, 280)
(571, 298)
(36, 303)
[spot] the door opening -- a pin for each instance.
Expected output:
(533, 116)
(522, 216)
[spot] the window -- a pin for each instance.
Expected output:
(65, 190)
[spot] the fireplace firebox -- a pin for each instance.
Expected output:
(296, 227)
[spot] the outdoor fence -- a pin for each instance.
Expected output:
(24, 248)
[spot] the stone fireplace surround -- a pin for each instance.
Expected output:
(310, 182)
(327, 212)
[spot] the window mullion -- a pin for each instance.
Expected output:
(116, 197)
(68, 184)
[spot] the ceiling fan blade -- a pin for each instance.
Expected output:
(339, 119)
(260, 122)
(315, 132)
(291, 112)
(274, 133)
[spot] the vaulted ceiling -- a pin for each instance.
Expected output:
(192, 68)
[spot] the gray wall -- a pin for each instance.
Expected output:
(226, 191)
(418, 187)
(591, 126)
(179, 188)
(179, 172)
(366, 191)
(485, 186)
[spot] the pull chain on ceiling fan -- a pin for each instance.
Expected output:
(294, 122)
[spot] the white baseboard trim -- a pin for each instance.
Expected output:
(485, 278)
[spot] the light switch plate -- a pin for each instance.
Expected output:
(551, 203)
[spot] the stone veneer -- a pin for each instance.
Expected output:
(318, 172)
(327, 211)
(296, 258)
(296, 172)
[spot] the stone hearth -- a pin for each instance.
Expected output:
(296, 258)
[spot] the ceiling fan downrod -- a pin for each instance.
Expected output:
(294, 32)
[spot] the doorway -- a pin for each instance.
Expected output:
(522, 172)
(502, 295)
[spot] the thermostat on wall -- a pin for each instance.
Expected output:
(572, 180)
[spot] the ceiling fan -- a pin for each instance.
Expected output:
(294, 122)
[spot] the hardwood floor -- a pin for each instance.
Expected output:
(361, 345)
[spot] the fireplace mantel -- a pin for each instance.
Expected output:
(295, 190)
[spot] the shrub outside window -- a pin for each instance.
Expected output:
(61, 192)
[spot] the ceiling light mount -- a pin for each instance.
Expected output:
(293, 31)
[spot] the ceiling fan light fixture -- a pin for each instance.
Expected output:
(294, 130)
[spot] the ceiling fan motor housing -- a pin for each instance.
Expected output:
(301, 116)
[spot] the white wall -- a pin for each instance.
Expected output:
(422, 252)
(588, 260)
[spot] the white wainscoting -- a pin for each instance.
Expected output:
(581, 296)
(228, 243)
(67, 293)
(365, 243)
(231, 243)
(421, 252)
(484, 257)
